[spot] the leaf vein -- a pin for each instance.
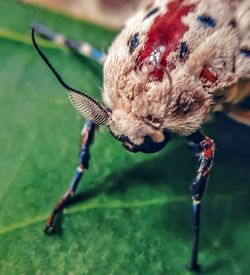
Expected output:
(95, 204)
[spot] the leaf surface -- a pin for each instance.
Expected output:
(132, 214)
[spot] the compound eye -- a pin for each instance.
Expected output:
(133, 42)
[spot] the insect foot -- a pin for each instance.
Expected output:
(49, 229)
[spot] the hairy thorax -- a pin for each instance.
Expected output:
(167, 65)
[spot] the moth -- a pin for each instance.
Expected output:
(173, 64)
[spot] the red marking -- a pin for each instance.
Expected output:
(167, 30)
(209, 150)
(207, 75)
(84, 138)
(208, 154)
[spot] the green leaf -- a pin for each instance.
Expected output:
(133, 212)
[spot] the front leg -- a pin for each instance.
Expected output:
(204, 147)
(86, 139)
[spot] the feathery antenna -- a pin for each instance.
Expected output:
(83, 103)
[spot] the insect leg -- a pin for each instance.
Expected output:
(204, 147)
(82, 48)
(87, 135)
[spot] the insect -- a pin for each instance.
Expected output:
(173, 65)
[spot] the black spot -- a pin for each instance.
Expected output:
(207, 20)
(233, 24)
(133, 42)
(184, 51)
(152, 12)
(245, 52)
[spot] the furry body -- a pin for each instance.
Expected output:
(177, 89)
(175, 63)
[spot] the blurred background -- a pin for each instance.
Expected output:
(132, 213)
(111, 13)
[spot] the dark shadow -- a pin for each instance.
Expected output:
(212, 268)
(232, 138)
(84, 196)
